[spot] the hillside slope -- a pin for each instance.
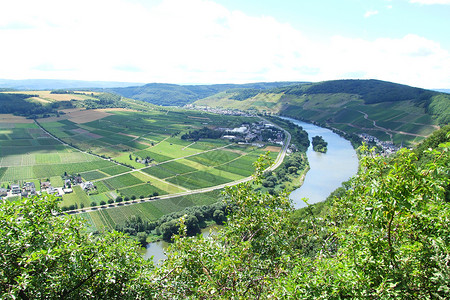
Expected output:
(179, 95)
(386, 110)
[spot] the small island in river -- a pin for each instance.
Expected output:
(319, 144)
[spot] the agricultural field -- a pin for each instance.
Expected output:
(150, 211)
(28, 153)
(126, 154)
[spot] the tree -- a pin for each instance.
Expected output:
(45, 256)
(386, 236)
(142, 238)
(219, 217)
(319, 144)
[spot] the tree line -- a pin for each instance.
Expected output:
(195, 218)
(204, 133)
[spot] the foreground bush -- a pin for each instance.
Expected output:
(385, 236)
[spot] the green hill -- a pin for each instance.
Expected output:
(179, 95)
(386, 110)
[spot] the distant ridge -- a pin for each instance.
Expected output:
(180, 95)
(50, 84)
(389, 111)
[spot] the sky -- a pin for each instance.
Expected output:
(227, 41)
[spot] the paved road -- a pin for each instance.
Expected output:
(278, 161)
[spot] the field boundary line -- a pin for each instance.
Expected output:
(163, 181)
(278, 161)
(72, 147)
(188, 145)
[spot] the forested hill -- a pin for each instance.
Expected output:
(179, 95)
(371, 91)
(386, 110)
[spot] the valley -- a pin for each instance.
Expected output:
(110, 158)
(130, 162)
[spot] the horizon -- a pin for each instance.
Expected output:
(131, 84)
(192, 42)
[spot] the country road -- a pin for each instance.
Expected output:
(278, 161)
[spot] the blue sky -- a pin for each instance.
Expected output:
(227, 41)
(367, 19)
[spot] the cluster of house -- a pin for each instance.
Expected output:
(387, 147)
(252, 133)
(222, 111)
(29, 188)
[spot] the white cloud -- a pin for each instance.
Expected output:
(370, 13)
(429, 2)
(410, 60)
(194, 41)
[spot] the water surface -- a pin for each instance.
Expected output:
(327, 170)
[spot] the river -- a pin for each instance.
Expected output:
(157, 249)
(327, 172)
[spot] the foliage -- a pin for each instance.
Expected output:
(291, 167)
(439, 107)
(239, 262)
(204, 133)
(195, 218)
(45, 256)
(299, 137)
(104, 100)
(385, 236)
(432, 142)
(372, 91)
(392, 228)
(319, 144)
(17, 104)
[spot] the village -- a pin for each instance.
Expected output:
(215, 110)
(254, 134)
(28, 189)
(387, 148)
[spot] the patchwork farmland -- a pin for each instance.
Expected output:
(124, 155)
